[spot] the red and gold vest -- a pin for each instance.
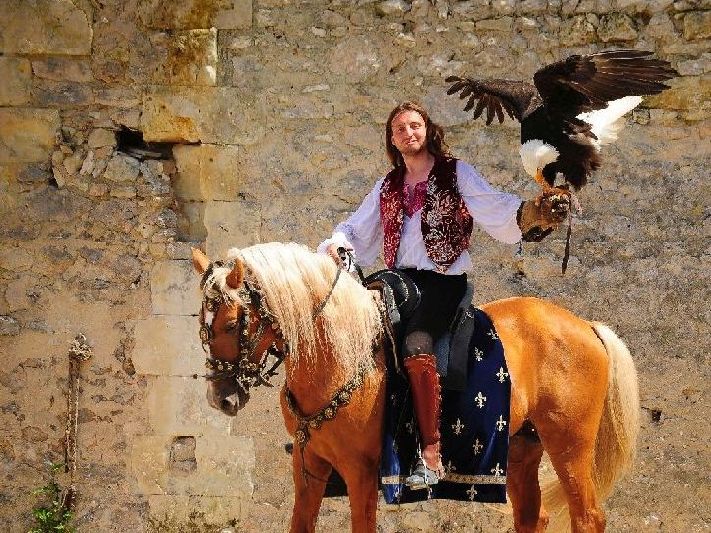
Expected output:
(445, 223)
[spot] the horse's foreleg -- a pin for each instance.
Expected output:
(361, 477)
(522, 484)
(310, 476)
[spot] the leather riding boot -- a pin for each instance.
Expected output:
(424, 383)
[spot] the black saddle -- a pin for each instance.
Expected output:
(401, 298)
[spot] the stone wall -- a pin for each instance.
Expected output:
(130, 130)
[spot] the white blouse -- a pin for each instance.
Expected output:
(493, 210)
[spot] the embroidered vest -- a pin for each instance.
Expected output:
(446, 223)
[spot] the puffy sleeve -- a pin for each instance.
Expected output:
(493, 210)
(362, 231)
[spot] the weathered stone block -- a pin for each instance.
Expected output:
(168, 345)
(504, 7)
(497, 24)
(27, 134)
(176, 511)
(44, 27)
(579, 30)
(15, 258)
(223, 467)
(174, 288)
(687, 93)
(191, 225)
(15, 81)
(649, 6)
(191, 58)
(697, 25)
(177, 406)
(210, 172)
(695, 67)
(63, 69)
(123, 191)
(221, 115)
(661, 27)
(149, 463)
(182, 450)
(531, 7)
(472, 10)
(616, 27)
(122, 168)
(21, 293)
(238, 16)
(62, 94)
(357, 58)
(307, 108)
(121, 97)
(9, 326)
(691, 5)
(392, 7)
(194, 14)
(100, 137)
(31, 172)
(232, 224)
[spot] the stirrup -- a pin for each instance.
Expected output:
(422, 477)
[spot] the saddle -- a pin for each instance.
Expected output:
(401, 298)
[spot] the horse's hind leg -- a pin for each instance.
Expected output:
(522, 484)
(573, 464)
(309, 486)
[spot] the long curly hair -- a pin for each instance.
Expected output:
(434, 139)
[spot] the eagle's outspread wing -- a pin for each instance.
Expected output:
(571, 110)
(496, 96)
(585, 83)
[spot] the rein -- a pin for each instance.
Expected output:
(575, 204)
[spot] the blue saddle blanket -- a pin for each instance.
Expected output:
(474, 427)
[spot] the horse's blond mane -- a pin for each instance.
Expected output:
(294, 282)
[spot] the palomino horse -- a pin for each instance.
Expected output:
(573, 380)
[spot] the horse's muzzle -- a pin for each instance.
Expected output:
(229, 403)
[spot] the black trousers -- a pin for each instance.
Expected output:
(440, 297)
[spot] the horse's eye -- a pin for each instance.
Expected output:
(231, 325)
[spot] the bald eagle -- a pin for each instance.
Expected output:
(571, 110)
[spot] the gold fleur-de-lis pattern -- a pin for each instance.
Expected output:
(474, 427)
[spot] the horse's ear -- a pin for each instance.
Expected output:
(200, 261)
(235, 277)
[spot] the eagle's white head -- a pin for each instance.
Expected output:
(535, 154)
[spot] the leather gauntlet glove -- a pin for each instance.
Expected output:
(538, 218)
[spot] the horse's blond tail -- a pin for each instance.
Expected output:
(615, 446)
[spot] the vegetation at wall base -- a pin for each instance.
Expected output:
(55, 515)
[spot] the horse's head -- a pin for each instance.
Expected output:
(237, 331)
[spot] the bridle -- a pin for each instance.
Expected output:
(249, 370)
(246, 372)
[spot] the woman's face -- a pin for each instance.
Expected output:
(409, 133)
